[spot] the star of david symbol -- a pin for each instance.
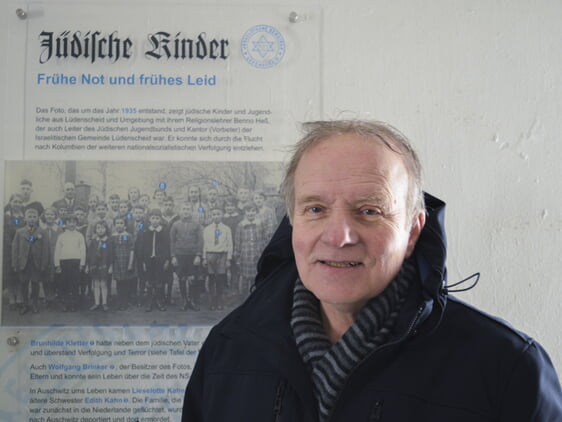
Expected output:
(262, 46)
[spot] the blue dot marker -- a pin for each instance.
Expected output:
(162, 186)
(124, 237)
(16, 221)
(104, 245)
(201, 210)
(215, 184)
(61, 223)
(140, 226)
(129, 216)
(32, 238)
(218, 232)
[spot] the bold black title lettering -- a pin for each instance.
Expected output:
(93, 45)
(166, 46)
(90, 45)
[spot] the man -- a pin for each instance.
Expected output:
(351, 320)
(26, 189)
(69, 199)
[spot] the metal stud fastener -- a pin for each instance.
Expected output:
(22, 14)
(293, 17)
(13, 341)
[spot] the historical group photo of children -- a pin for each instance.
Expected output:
(128, 242)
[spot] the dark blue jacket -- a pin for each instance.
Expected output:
(447, 361)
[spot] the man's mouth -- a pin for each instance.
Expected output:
(335, 264)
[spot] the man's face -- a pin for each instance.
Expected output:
(26, 192)
(69, 191)
(212, 195)
(70, 224)
(350, 230)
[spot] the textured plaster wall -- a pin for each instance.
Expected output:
(477, 86)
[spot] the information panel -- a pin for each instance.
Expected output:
(136, 112)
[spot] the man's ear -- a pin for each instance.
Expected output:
(415, 230)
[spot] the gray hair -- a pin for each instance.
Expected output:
(376, 131)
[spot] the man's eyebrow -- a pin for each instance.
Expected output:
(309, 198)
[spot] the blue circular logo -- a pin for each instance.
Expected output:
(263, 46)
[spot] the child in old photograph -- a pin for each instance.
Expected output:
(70, 259)
(217, 255)
(99, 266)
(186, 246)
(30, 256)
(250, 240)
(153, 249)
(13, 220)
(122, 262)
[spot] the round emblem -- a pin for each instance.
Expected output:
(263, 46)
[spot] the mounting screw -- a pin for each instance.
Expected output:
(13, 341)
(22, 14)
(293, 17)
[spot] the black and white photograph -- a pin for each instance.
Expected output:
(133, 243)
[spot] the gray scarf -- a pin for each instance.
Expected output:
(330, 365)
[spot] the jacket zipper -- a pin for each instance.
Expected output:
(278, 404)
(376, 413)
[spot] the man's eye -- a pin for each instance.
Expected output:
(314, 210)
(370, 211)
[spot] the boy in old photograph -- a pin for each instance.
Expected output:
(186, 245)
(217, 255)
(30, 256)
(70, 260)
(153, 249)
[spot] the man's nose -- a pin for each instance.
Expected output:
(340, 229)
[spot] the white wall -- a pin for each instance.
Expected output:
(477, 87)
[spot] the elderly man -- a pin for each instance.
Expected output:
(68, 201)
(351, 318)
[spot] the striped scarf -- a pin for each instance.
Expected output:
(330, 365)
